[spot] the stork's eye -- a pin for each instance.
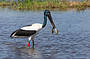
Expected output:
(47, 14)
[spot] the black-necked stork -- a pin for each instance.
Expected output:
(31, 30)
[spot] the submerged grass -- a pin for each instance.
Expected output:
(51, 4)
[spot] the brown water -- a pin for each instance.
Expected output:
(72, 42)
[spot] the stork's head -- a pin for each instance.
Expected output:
(48, 14)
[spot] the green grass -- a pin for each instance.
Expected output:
(48, 4)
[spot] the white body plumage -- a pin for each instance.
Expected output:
(35, 26)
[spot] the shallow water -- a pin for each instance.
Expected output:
(72, 42)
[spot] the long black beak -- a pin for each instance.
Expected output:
(52, 23)
(51, 20)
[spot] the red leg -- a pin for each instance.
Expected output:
(29, 44)
(33, 43)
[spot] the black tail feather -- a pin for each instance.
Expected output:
(22, 33)
(12, 34)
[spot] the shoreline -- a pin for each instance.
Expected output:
(45, 5)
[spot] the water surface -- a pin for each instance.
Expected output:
(72, 42)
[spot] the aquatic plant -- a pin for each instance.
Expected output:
(81, 5)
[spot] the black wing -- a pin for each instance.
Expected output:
(23, 33)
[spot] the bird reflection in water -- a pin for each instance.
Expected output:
(29, 53)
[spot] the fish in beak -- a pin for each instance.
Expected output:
(54, 30)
